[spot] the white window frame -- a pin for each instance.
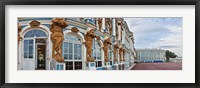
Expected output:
(73, 43)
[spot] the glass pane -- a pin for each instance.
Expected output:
(79, 57)
(25, 55)
(66, 56)
(25, 48)
(70, 56)
(37, 33)
(61, 67)
(30, 42)
(75, 57)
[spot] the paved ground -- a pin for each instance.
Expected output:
(158, 66)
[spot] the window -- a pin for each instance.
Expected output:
(78, 65)
(67, 51)
(110, 55)
(72, 52)
(28, 48)
(96, 53)
(36, 33)
(59, 67)
(98, 63)
(69, 65)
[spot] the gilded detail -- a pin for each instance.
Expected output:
(116, 47)
(74, 29)
(89, 37)
(57, 37)
(19, 30)
(34, 23)
(100, 23)
(106, 44)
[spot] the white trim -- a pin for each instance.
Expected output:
(69, 31)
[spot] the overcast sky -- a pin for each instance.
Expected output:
(164, 33)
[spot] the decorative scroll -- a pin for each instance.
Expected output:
(34, 23)
(106, 44)
(57, 37)
(115, 51)
(89, 36)
(74, 29)
(19, 30)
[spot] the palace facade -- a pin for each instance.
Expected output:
(150, 55)
(74, 44)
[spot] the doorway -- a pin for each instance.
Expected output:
(41, 49)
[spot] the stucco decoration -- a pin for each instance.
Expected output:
(74, 29)
(19, 30)
(121, 54)
(98, 40)
(106, 44)
(124, 53)
(116, 47)
(34, 23)
(89, 37)
(100, 23)
(57, 37)
(110, 30)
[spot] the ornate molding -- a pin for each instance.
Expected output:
(34, 24)
(116, 47)
(110, 30)
(100, 23)
(74, 29)
(19, 30)
(57, 37)
(106, 44)
(122, 54)
(89, 37)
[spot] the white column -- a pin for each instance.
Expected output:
(113, 27)
(103, 25)
(123, 36)
(20, 55)
(84, 57)
(97, 23)
(102, 57)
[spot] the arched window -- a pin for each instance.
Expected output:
(72, 52)
(29, 43)
(96, 53)
(36, 33)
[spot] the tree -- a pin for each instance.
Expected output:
(169, 54)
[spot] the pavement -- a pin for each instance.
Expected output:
(158, 66)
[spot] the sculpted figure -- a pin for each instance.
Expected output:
(106, 43)
(57, 37)
(89, 36)
(120, 54)
(124, 53)
(100, 23)
(19, 30)
(115, 51)
(110, 30)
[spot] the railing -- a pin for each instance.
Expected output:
(57, 65)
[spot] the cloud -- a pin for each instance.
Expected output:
(165, 33)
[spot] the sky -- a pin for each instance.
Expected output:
(158, 32)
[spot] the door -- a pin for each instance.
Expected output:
(28, 54)
(41, 57)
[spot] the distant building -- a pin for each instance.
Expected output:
(150, 55)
